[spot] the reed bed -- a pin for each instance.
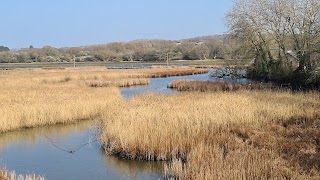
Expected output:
(11, 175)
(27, 102)
(167, 72)
(235, 135)
(209, 86)
(118, 82)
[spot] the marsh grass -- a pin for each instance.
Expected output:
(32, 105)
(223, 135)
(25, 101)
(209, 86)
(11, 175)
(117, 82)
(167, 72)
(38, 97)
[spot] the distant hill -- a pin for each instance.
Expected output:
(205, 38)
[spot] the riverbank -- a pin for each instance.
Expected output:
(250, 135)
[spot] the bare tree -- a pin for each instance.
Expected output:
(280, 32)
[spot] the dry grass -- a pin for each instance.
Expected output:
(31, 104)
(118, 82)
(37, 97)
(235, 135)
(209, 86)
(11, 175)
(173, 71)
(25, 101)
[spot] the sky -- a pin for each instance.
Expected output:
(70, 23)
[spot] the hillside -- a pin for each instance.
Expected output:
(206, 39)
(197, 48)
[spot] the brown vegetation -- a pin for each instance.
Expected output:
(235, 135)
(37, 97)
(167, 72)
(119, 83)
(209, 86)
(30, 98)
(11, 175)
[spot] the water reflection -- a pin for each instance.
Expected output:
(134, 169)
(29, 151)
(31, 136)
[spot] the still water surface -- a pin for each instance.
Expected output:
(159, 85)
(39, 150)
(30, 151)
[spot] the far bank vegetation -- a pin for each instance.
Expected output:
(211, 47)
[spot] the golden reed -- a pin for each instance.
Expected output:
(223, 135)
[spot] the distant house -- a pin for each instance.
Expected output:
(178, 43)
(199, 43)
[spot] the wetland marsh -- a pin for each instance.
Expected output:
(48, 113)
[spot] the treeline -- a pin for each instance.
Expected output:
(3, 48)
(140, 50)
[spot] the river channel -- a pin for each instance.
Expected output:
(43, 150)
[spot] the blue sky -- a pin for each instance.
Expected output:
(67, 23)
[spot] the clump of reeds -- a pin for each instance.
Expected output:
(242, 134)
(210, 86)
(117, 82)
(176, 72)
(57, 80)
(167, 72)
(11, 175)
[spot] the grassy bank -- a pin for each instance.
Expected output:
(11, 175)
(234, 135)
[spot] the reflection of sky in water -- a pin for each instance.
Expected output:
(29, 151)
(159, 85)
